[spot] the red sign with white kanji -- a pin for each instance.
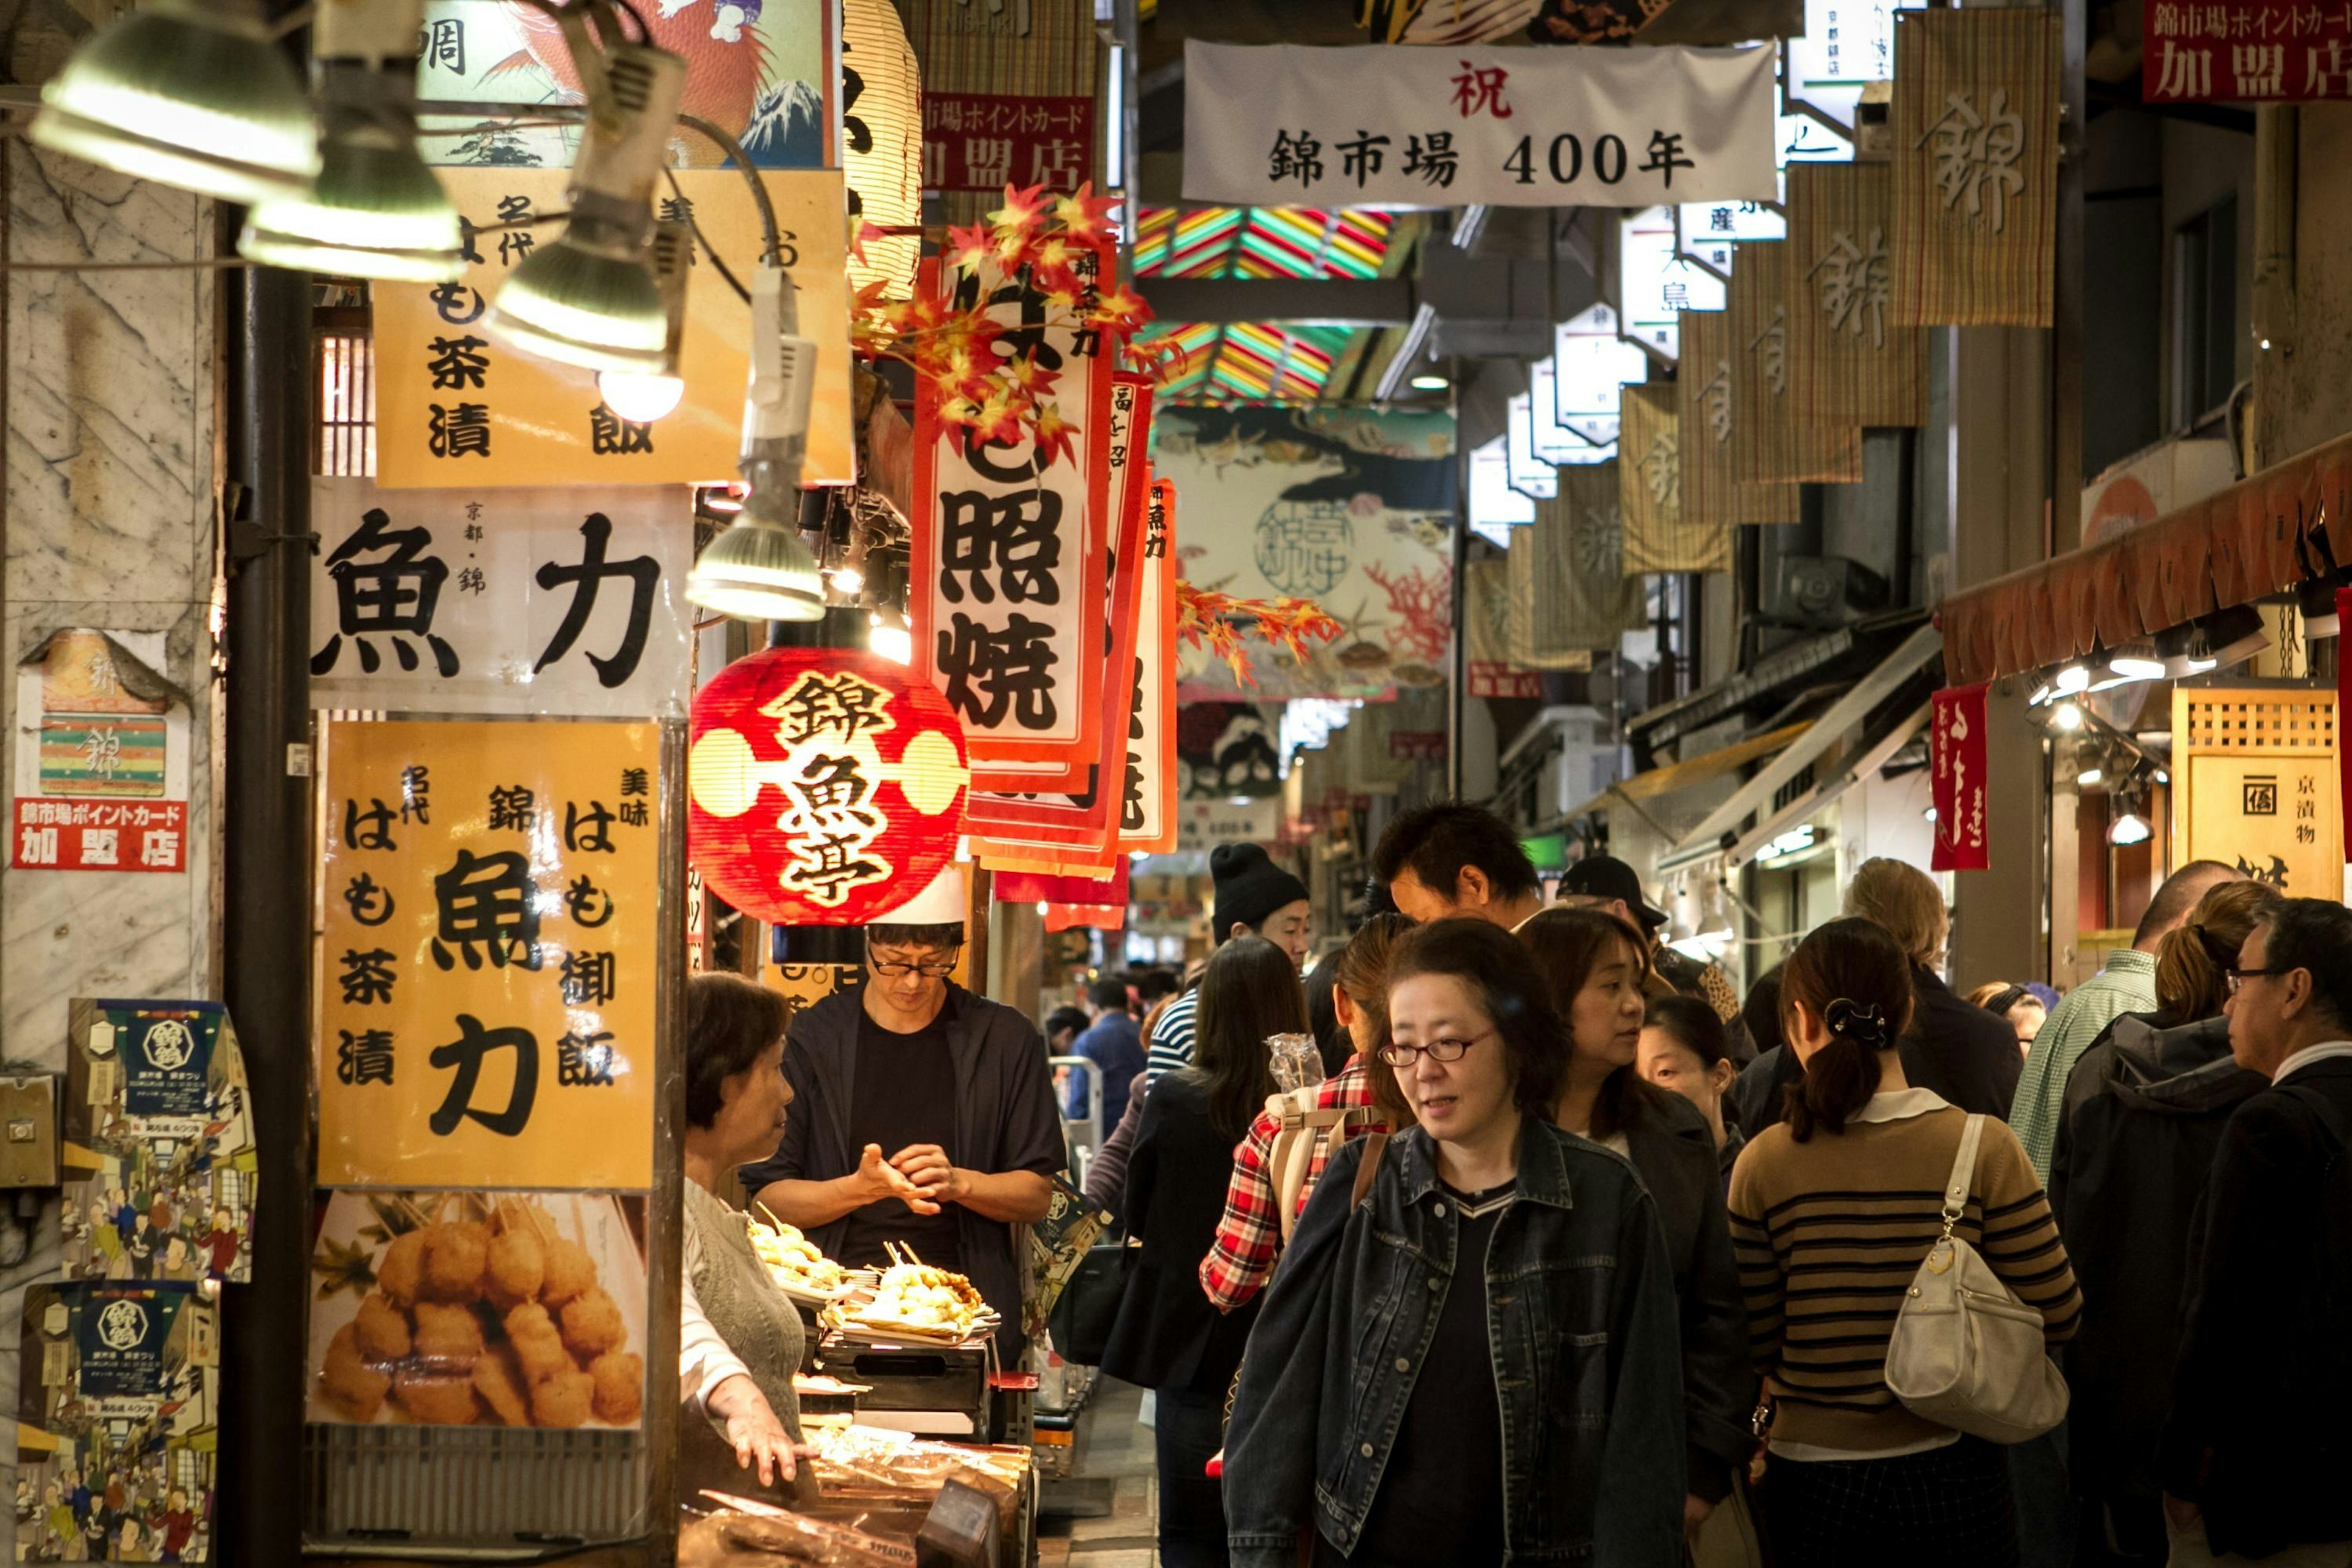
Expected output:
(1956, 747)
(987, 141)
(100, 836)
(2245, 51)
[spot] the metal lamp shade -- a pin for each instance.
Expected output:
(376, 211)
(199, 101)
(586, 307)
(756, 571)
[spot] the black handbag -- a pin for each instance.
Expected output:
(1082, 1320)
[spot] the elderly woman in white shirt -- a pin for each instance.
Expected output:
(740, 1339)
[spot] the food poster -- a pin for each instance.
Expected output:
(158, 1148)
(102, 767)
(432, 1308)
(491, 916)
(119, 1402)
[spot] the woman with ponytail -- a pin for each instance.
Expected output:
(1833, 1212)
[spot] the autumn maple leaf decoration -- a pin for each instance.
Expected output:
(1218, 620)
(979, 392)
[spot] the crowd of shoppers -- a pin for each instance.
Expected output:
(1572, 1256)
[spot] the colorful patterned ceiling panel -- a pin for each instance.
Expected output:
(1268, 362)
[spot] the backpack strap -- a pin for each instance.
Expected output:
(1373, 1143)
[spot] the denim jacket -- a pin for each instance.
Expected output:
(1583, 1326)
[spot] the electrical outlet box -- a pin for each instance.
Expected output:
(28, 1132)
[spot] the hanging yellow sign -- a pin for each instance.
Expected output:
(456, 404)
(491, 919)
(2255, 784)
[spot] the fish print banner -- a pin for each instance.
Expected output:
(1976, 166)
(1284, 125)
(1850, 363)
(1705, 405)
(1659, 535)
(1569, 594)
(1007, 559)
(1770, 444)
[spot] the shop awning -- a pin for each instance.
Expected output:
(1808, 804)
(1848, 711)
(1698, 769)
(2262, 535)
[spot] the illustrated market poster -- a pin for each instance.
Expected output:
(1350, 508)
(119, 1417)
(158, 1153)
(491, 916)
(431, 1307)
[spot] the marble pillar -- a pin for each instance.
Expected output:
(111, 487)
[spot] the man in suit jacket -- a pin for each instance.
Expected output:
(2254, 1457)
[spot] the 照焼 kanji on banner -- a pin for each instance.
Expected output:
(2244, 51)
(1290, 125)
(1956, 750)
(485, 978)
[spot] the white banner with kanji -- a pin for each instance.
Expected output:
(1289, 125)
(500, 600)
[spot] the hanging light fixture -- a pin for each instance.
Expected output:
(2316, 602)
(759, 569)
(376, 210)
(200, 99)
(591, 297)
(2136, 660)
(633, 396)
(2073, 678)
(2067, 715)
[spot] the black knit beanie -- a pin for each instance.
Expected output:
(1250, 887)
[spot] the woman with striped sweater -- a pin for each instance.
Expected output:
(1833, 1211)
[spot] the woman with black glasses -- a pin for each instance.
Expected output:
(1469, 1351)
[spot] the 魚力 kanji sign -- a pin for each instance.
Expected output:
(498, 601)
(101, 777)
(456, 406)
(1290, 125)
(2252, 51)
(486, 977)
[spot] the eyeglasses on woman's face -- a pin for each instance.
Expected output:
(1398, 1054)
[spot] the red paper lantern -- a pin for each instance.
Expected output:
(824, 787)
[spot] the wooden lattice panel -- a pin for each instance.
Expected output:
(2298, 722)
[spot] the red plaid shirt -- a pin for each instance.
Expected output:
(1251, 1233)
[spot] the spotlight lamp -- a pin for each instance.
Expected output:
(2136, 660)
(2073, 678)
(200, 99)
(759, 569)
(2067, 715)
(376, 210)
(641, 398)
(590, 298)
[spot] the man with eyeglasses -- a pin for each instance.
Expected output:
(923, 1115)
(2253, 1458)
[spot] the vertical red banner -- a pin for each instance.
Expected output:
(2344, 706)
(1957, 747)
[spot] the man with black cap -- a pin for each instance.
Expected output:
(1606, 883)
(1254, 897)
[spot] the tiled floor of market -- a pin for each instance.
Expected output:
(1119, 1451)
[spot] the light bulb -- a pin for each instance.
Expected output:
(2067, 715)
(896, 643)
(2131, 827)
(639, 399)
(2090, 775)
(2074, 678)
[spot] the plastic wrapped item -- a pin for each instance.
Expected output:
(748, 1534)
(1298, 1061)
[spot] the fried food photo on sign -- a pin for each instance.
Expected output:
(494, 1318)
